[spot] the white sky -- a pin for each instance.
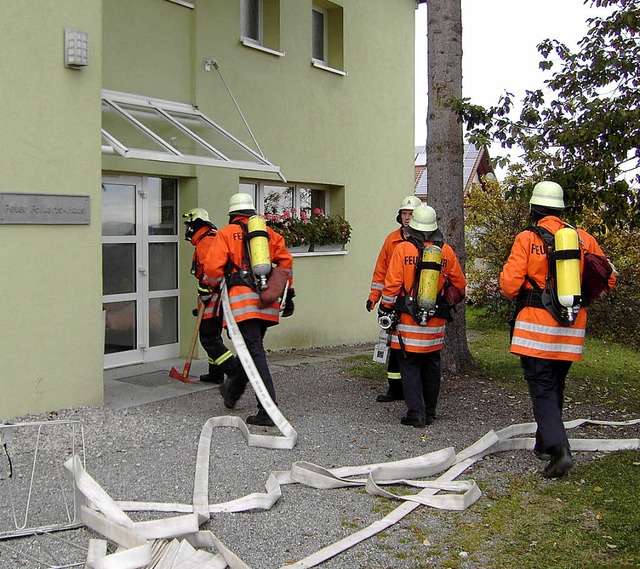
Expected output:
(499, 48)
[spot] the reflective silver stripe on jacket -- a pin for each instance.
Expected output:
(547, 346)
(549, 330)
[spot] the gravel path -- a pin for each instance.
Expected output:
(147, 453)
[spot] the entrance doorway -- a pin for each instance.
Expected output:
(139, 269)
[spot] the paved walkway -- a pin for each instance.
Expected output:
(145, 383)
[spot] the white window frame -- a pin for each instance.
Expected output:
(259, 193)
(183, 3)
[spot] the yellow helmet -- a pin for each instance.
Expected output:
(196, 213)
(241, 202)
(547, 194)
(424, 219)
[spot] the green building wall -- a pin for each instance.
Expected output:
(50, 282)
(353, 131)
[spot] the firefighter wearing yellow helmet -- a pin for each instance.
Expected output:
(547, 341)
(383, 352)
(419, 332)
(201, 232)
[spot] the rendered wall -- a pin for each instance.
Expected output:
(354, 131)
(50, 304)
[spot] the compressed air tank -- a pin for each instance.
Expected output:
(429, 277)
(259, 249)
(567, 266)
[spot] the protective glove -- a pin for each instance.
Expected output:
(205, 294)
(369, 305)
(384, 311)
(288, 303)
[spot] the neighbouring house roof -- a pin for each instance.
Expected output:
(476, 165)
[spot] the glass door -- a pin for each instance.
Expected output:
(139, 269)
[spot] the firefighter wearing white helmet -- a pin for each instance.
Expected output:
(253, 309)
(419, 332)
(383, 353)
(546, 346)
(201, 232)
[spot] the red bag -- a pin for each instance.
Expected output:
(595, 276)
(453, 295)
(276, 284)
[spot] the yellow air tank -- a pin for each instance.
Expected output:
(567, 269)
(259, 249)
(429, 277)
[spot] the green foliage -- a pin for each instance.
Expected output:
(615, 316)
(492, 222)
(584, 133)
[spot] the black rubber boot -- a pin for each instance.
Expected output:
(260, 418)
(394, 393)
(560, 463)
(215, 375)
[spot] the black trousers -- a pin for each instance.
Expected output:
(420, 383)
(211, 338)
(546, 380)
(253, 332)
(393, 371)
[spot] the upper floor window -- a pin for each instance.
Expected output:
(260, 25)
(327, 36)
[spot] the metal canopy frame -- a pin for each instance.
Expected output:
(144, 128)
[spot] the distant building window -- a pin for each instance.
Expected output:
(260, 25)
(327, 36)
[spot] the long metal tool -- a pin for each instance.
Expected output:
(184, 376)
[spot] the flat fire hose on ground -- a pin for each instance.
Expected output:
(176, 540)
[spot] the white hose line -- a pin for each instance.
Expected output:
(133, 536)
(290, 436)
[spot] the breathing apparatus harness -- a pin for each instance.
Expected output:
(563, 308)
(410, 301)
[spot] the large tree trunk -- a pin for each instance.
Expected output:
(445, 169)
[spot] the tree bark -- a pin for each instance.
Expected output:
(444, 145)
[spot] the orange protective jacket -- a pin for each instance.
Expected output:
(229, 247)
(380, 271)
(400, 277)
(536, 332)
(203, 240)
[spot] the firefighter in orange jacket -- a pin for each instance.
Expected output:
(394, 392)
(228, 260)
(200, 232)
(545, 346)
(419, 333)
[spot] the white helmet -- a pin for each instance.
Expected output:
(196, 213)
(547, 194)
(241, 202)
(410, 203)
(424, 219)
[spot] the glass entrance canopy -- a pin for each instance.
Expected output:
(153, 129)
